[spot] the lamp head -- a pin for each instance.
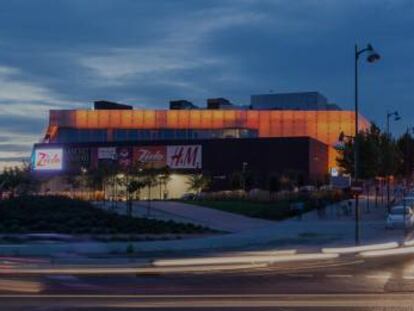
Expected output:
(373, 56)
(396, 116)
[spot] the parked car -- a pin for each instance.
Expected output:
(307, 189)
(397, 216)
(408, 201)
(188, 196)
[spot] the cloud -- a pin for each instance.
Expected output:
(147, 52)
(122, 63)
(14, 89)
(15, 147)
(178, 51)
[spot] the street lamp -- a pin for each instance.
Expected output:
(407, 165)
(396, 116)
(372, 57)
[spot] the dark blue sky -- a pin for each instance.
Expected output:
(65, 54)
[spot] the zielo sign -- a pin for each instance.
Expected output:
(156, 156)
(48, 159)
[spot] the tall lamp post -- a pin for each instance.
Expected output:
(408, 172)
(372, 57)
(397, 117)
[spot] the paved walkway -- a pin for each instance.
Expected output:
(330, 226)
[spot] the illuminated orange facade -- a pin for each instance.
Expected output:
(321, 125)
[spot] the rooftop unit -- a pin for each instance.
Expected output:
(182, 104)
(109, 105)
(219, 103)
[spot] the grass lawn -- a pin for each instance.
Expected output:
(274, 211)
(277, 210)
(41, 214)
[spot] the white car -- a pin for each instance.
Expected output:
(396, 217)
(408, 201)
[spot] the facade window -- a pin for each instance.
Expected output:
(68, 135)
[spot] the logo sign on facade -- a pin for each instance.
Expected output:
(156, 156)
(48, 159)
(77, 157)
(124, 156)
(106, 153)
(184, 156)
(334, 172)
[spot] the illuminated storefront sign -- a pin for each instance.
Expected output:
(75, 158)
(184, 156)
(106, 153)
(48, 159)
(124, 156)
(156, 156)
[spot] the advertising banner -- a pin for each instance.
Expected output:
(76, 157)
(124, 156)
(156, 156)
(106, 153)
(48, 159)
(184, 156)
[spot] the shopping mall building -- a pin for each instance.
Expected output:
(277, 134)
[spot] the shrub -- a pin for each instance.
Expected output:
(64, 215)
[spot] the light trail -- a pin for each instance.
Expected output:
(268, 253)
(269, 259)
(20, 286)
(120, 270)
(389, 252)
(357, 249)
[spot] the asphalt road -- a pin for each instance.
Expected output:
(374, 284)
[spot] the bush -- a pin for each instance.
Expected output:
(53, 214)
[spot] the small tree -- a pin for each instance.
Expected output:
(18, 180)
(133, 187)
(163, 177)
(198, 182)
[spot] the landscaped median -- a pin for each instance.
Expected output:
(277, 208)
(30, 216)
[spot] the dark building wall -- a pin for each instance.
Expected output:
(318, 159)
(302, 157)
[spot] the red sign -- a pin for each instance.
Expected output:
(155, 155)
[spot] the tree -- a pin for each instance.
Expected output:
(164, 176)
(18, 180)
(198, 182)
(405, 145)
(390, 157)
(236, 180)
(376, 157)
(133, 187)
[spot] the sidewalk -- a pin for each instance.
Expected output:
(329, 226)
